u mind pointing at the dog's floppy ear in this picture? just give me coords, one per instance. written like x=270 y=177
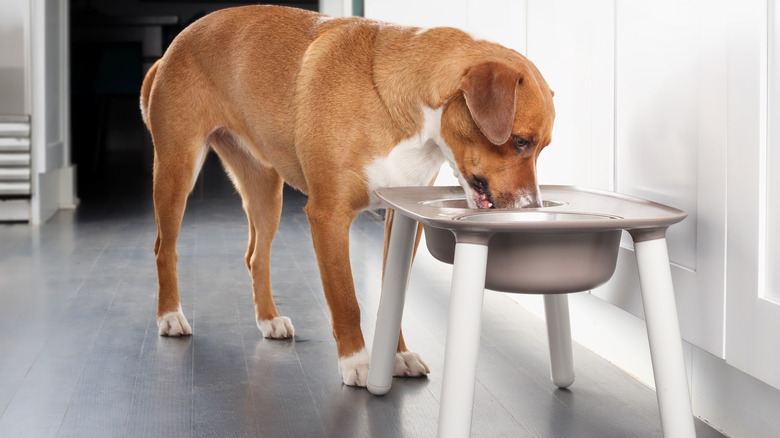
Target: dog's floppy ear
x=489 y=89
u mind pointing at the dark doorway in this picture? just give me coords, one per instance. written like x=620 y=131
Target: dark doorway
x=113 y=43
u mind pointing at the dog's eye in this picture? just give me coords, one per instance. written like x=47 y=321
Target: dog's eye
x=520 y=143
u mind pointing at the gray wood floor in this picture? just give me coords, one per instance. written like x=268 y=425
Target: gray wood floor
x=80 y=355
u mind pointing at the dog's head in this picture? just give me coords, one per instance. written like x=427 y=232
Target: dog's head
x=496 y=126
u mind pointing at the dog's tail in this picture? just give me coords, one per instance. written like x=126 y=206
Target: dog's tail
x=146 y=90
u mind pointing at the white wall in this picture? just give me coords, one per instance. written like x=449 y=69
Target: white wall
x=13 y=44
x=336 y=8
x=666 y=100
x=53 y=181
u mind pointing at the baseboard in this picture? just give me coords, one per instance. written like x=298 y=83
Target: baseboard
x=68 y=199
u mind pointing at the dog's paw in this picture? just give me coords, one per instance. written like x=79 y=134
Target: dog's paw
x=173 y=324
x=408 y=364
x=278 y=328
x=354 y=368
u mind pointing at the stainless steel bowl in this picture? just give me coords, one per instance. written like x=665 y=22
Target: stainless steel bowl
x=538 y=262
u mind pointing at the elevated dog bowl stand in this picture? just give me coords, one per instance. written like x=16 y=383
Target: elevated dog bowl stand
x=582 y=223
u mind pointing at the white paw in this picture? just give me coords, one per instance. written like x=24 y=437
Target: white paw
x=354 y=368
x=278 y=328
x=408 y=364
x=173 y=324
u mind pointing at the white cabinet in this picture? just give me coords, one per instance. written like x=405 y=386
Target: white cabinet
x=684 y=85
x=677 y=101
x=640 y=102
x=695 y=87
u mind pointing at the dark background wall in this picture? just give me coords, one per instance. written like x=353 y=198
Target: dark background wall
x=108 y=60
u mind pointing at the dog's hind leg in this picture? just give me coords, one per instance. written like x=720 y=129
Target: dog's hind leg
x=260 y=188
x=176 y=164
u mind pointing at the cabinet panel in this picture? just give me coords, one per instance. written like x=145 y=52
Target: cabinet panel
x=670 y=78
x=752 y=317
x=657 y=110
x=772 y=169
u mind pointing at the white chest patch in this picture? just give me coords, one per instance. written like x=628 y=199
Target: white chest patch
x=412 y=162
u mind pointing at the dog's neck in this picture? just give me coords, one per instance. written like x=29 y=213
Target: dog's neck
x=409 y=75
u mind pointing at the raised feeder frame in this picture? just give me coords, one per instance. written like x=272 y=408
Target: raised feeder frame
x=573 y=220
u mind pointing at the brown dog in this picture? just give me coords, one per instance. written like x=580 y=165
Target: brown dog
x=335 y=108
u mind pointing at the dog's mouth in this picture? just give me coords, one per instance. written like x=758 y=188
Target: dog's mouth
x=481 y=190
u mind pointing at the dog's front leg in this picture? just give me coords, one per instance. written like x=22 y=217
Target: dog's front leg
x=330 y=234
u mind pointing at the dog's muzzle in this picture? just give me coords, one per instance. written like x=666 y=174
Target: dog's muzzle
x=528 y=199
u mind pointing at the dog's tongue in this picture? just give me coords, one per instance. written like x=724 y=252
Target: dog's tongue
x=483 y=201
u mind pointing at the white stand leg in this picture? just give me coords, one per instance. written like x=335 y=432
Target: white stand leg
x=462 y=344
x=556 y=309
x=391 y=304
x=663 y=331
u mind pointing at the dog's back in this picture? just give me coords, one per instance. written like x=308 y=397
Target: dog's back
x=237 y=68
x=215 y=60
